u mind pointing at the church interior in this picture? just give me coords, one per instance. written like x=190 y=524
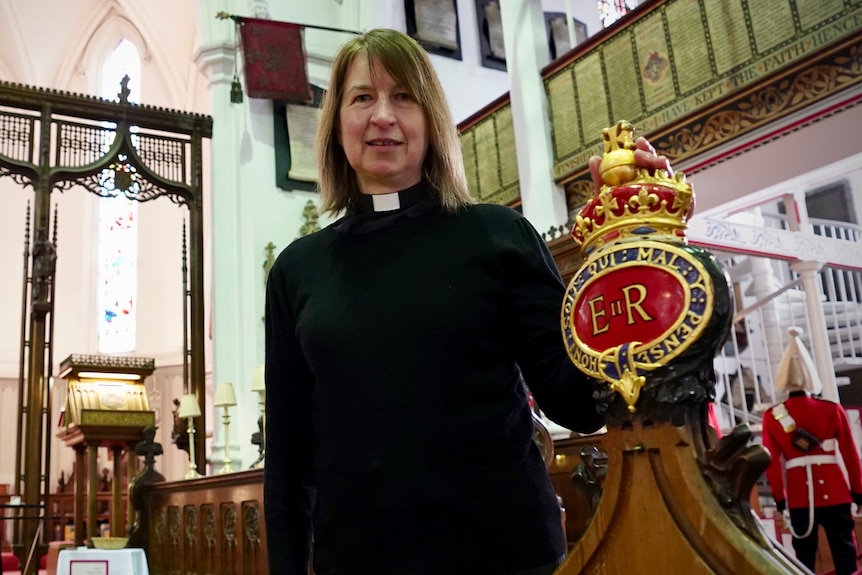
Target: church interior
x=759 y=104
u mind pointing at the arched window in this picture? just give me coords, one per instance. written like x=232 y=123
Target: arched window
x=117 y=262
x=612 y=10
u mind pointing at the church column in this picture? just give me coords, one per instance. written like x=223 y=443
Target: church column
x=80 y=490
x=118 y=525
x=819 y=338
x=764 y=285
x=544 y=203
x=232 y=319
x=92 y=529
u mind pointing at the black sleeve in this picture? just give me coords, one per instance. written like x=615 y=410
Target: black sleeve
x=287 y=480
x=563 y=392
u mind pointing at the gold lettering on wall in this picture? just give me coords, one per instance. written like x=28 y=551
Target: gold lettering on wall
x=688 y=55
x=654 y=61
x=688 y=45
x=592 y=102
x=487 y=162
x=468 y=151
x=564 y=110
x=730 y=44
x=506 y=145
x=620 y=68
x=812 y=12
x=771 y=24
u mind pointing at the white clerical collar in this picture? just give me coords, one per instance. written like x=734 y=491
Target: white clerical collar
x=386 y=202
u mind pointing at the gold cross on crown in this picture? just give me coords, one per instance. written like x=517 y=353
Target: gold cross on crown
x=619 y=137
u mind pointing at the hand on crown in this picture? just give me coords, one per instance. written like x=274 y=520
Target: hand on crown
x=645 y=157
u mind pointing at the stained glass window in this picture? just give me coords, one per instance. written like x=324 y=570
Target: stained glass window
x=118 y=229
x=612 y=10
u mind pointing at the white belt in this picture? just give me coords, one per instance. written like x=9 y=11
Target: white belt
x=807 y=461
x=811 y=460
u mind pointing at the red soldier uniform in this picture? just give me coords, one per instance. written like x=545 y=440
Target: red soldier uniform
x=806 y=437
x=821 y=474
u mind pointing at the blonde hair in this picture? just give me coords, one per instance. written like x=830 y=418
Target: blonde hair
x=410 y=67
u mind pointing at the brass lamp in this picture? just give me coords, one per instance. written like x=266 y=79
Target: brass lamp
x=225 y=398
x=258 y=385
x=190 y=409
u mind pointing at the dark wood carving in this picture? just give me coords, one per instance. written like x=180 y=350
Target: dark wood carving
x=208 y=526
x=139 y=531
x=570 y=457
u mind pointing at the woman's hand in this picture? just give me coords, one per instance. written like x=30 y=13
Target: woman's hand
x=645 y=157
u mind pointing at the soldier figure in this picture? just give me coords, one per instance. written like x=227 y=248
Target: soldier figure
x=810 y=440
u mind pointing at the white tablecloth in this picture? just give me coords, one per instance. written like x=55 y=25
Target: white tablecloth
x=120 y=561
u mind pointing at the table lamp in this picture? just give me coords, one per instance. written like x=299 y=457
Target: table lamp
x=258 y=385
x=225 y=398
x=190 y=409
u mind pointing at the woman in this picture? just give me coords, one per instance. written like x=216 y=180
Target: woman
x=399 y=438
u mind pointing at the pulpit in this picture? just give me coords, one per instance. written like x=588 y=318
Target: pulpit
x=106 y=406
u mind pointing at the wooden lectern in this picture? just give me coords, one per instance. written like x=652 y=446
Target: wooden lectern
x=643 y=317
x=106 y=406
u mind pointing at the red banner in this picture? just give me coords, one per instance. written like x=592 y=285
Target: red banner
x=274 y=60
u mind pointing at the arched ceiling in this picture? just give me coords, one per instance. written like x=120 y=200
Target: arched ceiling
x=50 y=44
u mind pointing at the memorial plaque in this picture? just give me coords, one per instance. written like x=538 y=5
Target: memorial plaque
x=302 y=124
x=771 y=24
x=469 y=154
x=654 y=61
x=620 y=68
x=487 y=161
x=730 y=42
x=564 y=113
x=688 y=45
x=506 y=147
x=437 y=23
x=592 y=101
x=813 y=12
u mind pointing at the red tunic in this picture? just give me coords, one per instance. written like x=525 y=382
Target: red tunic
x=825 y=420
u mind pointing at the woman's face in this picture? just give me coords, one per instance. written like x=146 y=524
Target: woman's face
x=382 y=129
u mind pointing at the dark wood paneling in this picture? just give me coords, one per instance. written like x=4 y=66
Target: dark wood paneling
x=208 y=526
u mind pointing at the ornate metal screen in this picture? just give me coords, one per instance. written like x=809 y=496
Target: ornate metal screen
x=51 y=140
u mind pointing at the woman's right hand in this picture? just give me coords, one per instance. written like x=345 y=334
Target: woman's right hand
x=645 y=157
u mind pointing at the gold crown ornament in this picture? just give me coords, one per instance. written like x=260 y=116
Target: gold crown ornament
x=634 y=201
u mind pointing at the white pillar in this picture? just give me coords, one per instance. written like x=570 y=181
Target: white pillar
x=764 y=285
x=819 y=338
x=233 y=316
x=544 y=203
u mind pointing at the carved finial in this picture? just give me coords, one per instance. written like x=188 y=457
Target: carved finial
x=309 y=212
x=148 y=447
x=270 y=259
x=124 y=90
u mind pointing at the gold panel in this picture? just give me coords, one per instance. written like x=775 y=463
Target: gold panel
x=692 y=55
x=490 y=158
x=104 y=384
x=139 y=419
x=561 y=97
x=687 y=36
x=619 y=56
